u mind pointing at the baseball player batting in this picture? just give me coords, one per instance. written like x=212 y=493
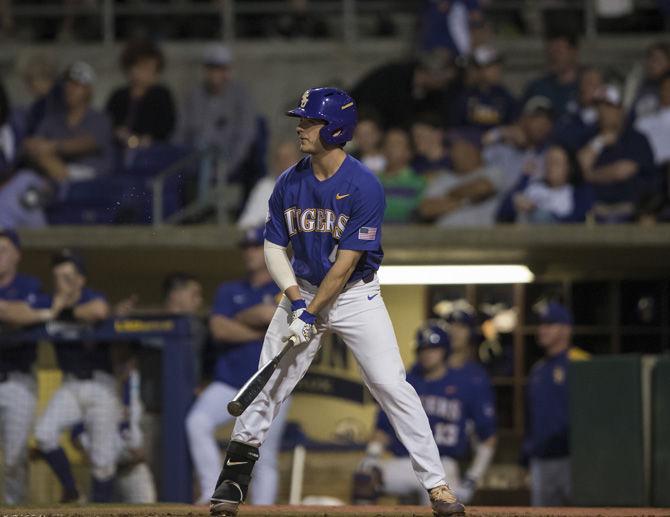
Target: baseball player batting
x=330 y=208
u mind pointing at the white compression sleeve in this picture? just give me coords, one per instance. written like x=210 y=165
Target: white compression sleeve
x=483 y=456
x=279 y=265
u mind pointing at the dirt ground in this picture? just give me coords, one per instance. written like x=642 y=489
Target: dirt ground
x=321 y=511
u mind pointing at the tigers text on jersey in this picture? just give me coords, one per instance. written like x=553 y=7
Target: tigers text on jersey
x=317 y=217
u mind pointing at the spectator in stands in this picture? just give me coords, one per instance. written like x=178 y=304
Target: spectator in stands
x=425 y=85
x=10 y=136
x=45 y=88
x=256 y=209
x=618 y=162
x=546 y=444
x=656 y=65
x=518 y=150
x=560 y=84
x=241 y=313
x=219 y=113
x=143 y=112
x=367 y=142
x=88 y=391
x=486 y=103
x=18 y=392
x=551 y=199
x=579 y=123
x=467 y=195
x=446 y=25
x=402 y=186
x=69 y=146
x=656 y=125
x=432 y=154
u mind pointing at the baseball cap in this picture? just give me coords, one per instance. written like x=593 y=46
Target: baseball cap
x=608 y=94
x=553 y=312
x=485 y=55
x=80 y=72
x=217 y=55
x=538 y=104
x=12 y=236
x=67 y=255
x=253 y=237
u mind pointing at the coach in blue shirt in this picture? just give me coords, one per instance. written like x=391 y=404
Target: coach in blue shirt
x=547 y=427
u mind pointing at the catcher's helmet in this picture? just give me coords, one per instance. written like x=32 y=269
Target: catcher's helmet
x=433 y=334
x=333 y=106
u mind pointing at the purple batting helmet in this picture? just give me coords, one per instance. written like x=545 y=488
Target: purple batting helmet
x=433 y=334
x=333 y=106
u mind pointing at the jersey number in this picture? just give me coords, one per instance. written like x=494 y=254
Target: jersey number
x=446 y=434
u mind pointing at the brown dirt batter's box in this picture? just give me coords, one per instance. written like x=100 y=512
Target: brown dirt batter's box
x=321 y=511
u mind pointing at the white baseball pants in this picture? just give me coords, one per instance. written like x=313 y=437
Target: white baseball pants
x=17 y=409
x=209 y=412
x=92 y=401
x=358 y=315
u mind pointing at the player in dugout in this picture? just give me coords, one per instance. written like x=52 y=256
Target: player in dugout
x=454 y=398
x=241 y=313
x=547 y=425
x=88 y=392
x=18 y=390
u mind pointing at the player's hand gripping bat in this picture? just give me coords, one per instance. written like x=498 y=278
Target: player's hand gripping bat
x=255 y=384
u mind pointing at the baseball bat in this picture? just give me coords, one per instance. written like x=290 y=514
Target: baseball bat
x=258 y=380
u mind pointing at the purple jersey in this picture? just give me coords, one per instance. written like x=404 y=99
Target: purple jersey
x=239 y=361
x=22 y=288
x=317 y=217
x=81 y=358
x=462 y=395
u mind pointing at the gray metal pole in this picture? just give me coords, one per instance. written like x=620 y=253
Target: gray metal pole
x=350 y=29
x=108 y=22
x=590 y=19
x=228 y=20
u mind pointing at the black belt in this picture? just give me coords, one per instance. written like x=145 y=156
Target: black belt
x=369 y=278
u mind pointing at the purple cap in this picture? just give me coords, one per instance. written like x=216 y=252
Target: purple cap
x=7 y=233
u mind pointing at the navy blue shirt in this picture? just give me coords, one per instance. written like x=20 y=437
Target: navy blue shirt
x=345 y=211
x=26 y=289
x=573 y=132
x=631 y=145
x=239 y=361
x=484 y=109
x=81 y=358
x=463 y=395
x=547 y=426
x=560 y=94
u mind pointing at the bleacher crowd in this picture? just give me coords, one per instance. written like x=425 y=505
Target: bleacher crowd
x=451 y=143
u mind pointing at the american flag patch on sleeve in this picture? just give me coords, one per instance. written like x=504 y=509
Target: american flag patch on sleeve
x=367 y=233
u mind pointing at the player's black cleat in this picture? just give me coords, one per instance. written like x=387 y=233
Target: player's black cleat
x=226 y=500
x=233 y=483
x=445 y=503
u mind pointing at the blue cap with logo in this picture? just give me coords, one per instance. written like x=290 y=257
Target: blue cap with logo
x=433 y=334
x=552 y=312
